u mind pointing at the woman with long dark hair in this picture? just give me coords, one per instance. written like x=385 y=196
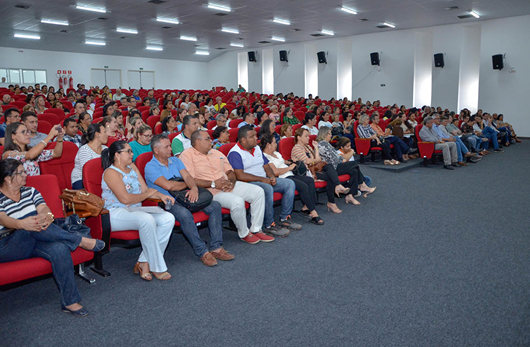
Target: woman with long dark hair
x=93 y=143
x=124 y=188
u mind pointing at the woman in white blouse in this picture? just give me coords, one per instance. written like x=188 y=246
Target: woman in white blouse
x=94 y=141
x=325 y=121
x=310 y=121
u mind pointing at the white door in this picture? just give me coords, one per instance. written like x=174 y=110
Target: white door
x=133 y=78
x=147 y=79
x=113 y=78
x=98 y=77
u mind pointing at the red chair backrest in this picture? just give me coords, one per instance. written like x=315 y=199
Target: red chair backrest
x=142 y=108
x=226 y=148
x=277 y=129
x=61 y=167
x=92 y=175
x=158 y=129
x=355 y=125
x=285 y=147
x=145 y=115
x=142 y=160
x=111 y=140
x=48 y=187
x=51 y=118
x=44 y=127
x=151 y=121
x=210 y=132
x=67 y=104
x=211 y=124
x=300 y=115
x=97 y=120
x=233 y=134
x=56 y=111
x=417 y=132
x=172 y=136
x=312 y=139
x=235 y=122
x=296 y=127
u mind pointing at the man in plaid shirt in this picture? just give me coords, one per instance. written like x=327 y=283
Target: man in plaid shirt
x=70 y=132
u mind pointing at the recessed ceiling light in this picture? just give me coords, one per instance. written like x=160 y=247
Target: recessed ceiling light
x=237 y=45
x=97 y=43
x=231 y=31
x=275 y=38
x=281 y=21
x=93 y=9
x=474 y=14
x=188 y=38
x=219 y=7
x=168 y=20
x=154 y=48
x=389 y=25
x=127 y=31
x=327 y=32
x=26 y=36
x=56 y=22
x=349 y=10
x=202 y=53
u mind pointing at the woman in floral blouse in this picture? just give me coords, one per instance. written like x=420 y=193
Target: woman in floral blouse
x=17 y=147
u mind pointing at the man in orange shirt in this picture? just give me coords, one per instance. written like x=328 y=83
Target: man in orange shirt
x=211 y=170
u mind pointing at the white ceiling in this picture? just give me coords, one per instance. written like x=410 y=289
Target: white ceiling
x=253 y=19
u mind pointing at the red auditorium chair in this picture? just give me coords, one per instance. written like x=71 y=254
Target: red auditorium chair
x=44 y=127
x=363 y=146
x=60 y=113
x=61 y=167
x=426 y=149
x=234 y=123
x=51 y=118
x=151 y=121
x=211 y=124
x=226 y=148
x=158 y=129
x=233 y=134
x=20 y=270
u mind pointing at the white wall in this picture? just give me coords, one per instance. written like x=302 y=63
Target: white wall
x=169 y=74
x=504 y=91
x=327 y=73
x=223 y=71
x=445 y=80
x=289 y=76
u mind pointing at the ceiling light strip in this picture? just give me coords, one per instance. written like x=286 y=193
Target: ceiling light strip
x=26 y=36
x=231 y=31
x=188 y=38
x=219 y=7
x=348 y=10
x=276 y=38
x=281 y=21
x=93 y=9
x=97 y=43
x=55 y=22
x=168 y=20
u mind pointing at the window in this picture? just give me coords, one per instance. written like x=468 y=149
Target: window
x=23 y=76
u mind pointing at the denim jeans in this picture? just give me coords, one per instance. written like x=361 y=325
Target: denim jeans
x=185 y=218
x=508 y=134
x=400 y=146
x=461 y=148
x=53 y=244
x=492 y=136
x=284 y=186
x=77 y=184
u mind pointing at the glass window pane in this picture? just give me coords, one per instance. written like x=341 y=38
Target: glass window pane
x=40 y=76
x=29 y=76
x=3 y=76
x=14 y=76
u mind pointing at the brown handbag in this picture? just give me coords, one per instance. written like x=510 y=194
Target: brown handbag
x=316 y=167
x=81 y=200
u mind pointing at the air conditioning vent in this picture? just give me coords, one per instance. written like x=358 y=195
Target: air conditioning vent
x=166 y=27
x=156 y=2
x=363 y=20
x=64 y=31
x=220 y=48
x=264 y=42
x=103 y=19
x=316 y=35
x=452 y=8
x=22 y=6
x=465 y=16
x=382 y=27
x=220 y=14
x=296 y=30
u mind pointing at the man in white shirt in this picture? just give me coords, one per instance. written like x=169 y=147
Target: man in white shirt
x=183 y=140
x=221 y=121
x=118 y=95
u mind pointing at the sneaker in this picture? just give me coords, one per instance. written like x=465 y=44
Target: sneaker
x=412 y=150
x=289 y=224
x=276 y=230
x=265 y=238
x=251 y=238
x=359 y=193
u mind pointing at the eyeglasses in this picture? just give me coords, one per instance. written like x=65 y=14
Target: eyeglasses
x=21 y=173
x=204 y=138
x=129 y=151
x=23 y=132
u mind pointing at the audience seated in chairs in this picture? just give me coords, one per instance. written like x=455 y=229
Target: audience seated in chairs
x=269 y=128
x=30 y=120
x=27 y=230
x=288 y=117
x=365 y=131
x=482 y=130
x=500 y=123
x=211 y=169
x=250 y=165
x=345 y=150
x=303 y=152
x=17 y=147
x=479 y=144
x=182 y=141
x=111 y=127
x=342 y=166
x=286 y=130
x=84 y=122
x=305 y=185
x=124 y=188
x=142 y=141
x=441 y=123
x=94 y=142
x=402 y=149
x=248 y=119
x=448 y=148
x=11 y=115
x=159 y=174
x=310 y=122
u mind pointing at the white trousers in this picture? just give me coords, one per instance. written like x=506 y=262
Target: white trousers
x=154 y=229
x=235 y=201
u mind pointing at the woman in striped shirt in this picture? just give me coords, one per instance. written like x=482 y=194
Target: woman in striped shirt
x=27 y=231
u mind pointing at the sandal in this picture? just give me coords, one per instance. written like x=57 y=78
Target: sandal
x=305 y=213
x=388 y=162
x=317 y=220
x=164 y=276
x=369 y=191
x=138 y=270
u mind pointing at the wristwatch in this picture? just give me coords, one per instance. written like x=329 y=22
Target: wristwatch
x=51 y=215
x=213 y=184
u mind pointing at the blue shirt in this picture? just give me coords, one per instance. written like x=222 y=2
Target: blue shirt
x=3 y=129
x=242 y=124
x=154 y=170
x=439 y=132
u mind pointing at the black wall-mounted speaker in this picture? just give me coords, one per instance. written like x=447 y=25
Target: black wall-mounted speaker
x=439 y=60
x=498 y=63
x=283 y=56
x=252 y=56
x=322 y=57
x=374 y=58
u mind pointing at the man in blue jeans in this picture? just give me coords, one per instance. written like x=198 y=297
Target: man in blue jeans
x=250 y=165
x=158 y=173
